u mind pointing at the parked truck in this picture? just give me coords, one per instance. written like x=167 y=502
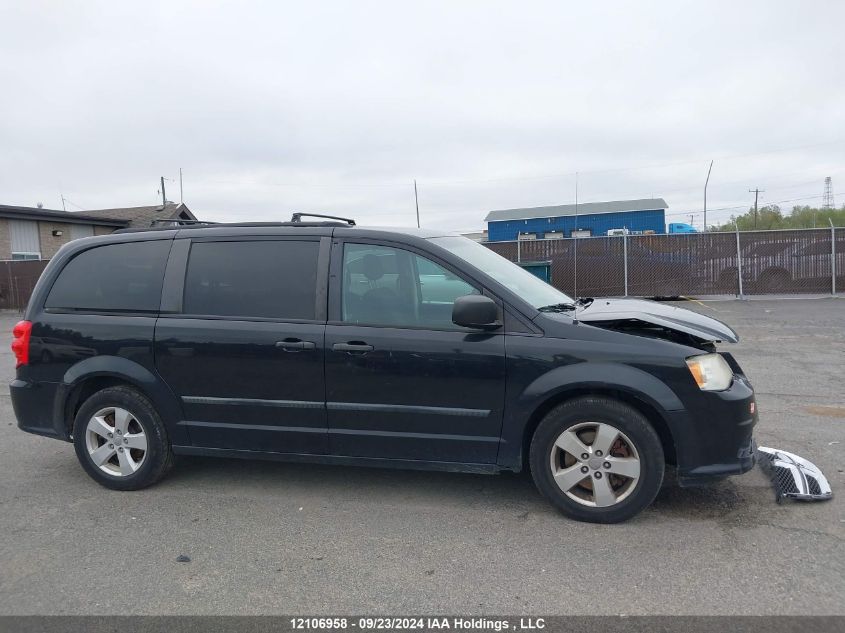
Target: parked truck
x=674 y=227
x=681 y=227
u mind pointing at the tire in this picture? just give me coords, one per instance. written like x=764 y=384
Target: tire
x=600 y=492
x=129 y=416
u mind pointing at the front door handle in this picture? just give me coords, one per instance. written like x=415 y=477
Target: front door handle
x=352 y=347
x=295 y=344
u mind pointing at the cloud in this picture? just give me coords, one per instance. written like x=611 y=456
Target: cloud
x=337 y=107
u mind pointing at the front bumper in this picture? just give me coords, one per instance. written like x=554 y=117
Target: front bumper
x=714 y=436
x=703 y=475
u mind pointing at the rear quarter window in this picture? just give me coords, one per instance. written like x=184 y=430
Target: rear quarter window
x=112 y=278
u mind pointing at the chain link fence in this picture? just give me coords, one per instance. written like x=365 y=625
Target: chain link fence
x=746 y=263
x=743 y=263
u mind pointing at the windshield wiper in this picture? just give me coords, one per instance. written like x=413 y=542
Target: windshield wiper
x=558 y=307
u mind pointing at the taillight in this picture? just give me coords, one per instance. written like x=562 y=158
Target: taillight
x=20 y=344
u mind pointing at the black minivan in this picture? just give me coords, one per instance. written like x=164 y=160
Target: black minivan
x=321 y=341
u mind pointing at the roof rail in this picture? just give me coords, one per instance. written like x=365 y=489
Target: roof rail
x=297 y=217
x=178 y=222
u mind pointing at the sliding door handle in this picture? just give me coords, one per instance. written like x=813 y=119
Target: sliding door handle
x=294 y=345
x=352 y=347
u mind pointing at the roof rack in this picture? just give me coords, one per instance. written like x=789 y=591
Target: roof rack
x=296 y=218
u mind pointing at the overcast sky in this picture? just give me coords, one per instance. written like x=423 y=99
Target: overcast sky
x=336 y=107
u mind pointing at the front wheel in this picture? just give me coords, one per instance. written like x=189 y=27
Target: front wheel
x=597 y=459
x=120 y=439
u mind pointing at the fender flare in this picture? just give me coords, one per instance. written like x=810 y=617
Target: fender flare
x=577 y=378
x=131 y=372
x=600 y=375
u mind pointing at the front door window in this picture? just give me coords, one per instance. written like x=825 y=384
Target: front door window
x=394 y=287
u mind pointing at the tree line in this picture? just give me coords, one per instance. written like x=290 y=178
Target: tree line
x=773 y=217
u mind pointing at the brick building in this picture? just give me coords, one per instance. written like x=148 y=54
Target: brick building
x=31 y=233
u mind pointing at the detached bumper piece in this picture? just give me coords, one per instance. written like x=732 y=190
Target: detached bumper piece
x=793 y=477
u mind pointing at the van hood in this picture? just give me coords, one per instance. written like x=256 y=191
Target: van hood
x=626 y=313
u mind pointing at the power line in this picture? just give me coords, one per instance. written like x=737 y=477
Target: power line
x=633 y=168
x=723 y=184
x=571 y=174
x=743 y=206
x=66 y=199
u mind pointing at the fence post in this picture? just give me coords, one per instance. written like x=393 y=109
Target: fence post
x=16 y=293
x=832 y=257
x=518 y=248
x=625 y=256
x=12 y=303
x=738 y=263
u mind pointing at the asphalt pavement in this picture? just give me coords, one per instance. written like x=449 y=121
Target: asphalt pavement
x=274 y=538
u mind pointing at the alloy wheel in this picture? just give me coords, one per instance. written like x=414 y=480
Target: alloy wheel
x=595 y=464
x=116 y=441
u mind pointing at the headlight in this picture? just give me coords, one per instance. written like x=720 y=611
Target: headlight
x=711 y=372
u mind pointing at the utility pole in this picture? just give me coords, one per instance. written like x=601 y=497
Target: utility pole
x=692 y=220
x=417 y=202
x=756 y=193
x=163 y=195
x=706 y=182
x=63 y=202
x=181 y=196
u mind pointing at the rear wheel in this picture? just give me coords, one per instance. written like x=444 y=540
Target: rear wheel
x=597 y=459
x=120 y=439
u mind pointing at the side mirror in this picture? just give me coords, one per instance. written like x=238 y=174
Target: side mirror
x=476 y=311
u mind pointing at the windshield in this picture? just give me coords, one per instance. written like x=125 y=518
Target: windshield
x=532 y=289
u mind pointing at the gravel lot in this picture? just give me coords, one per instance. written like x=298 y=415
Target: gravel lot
x=267 y=538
